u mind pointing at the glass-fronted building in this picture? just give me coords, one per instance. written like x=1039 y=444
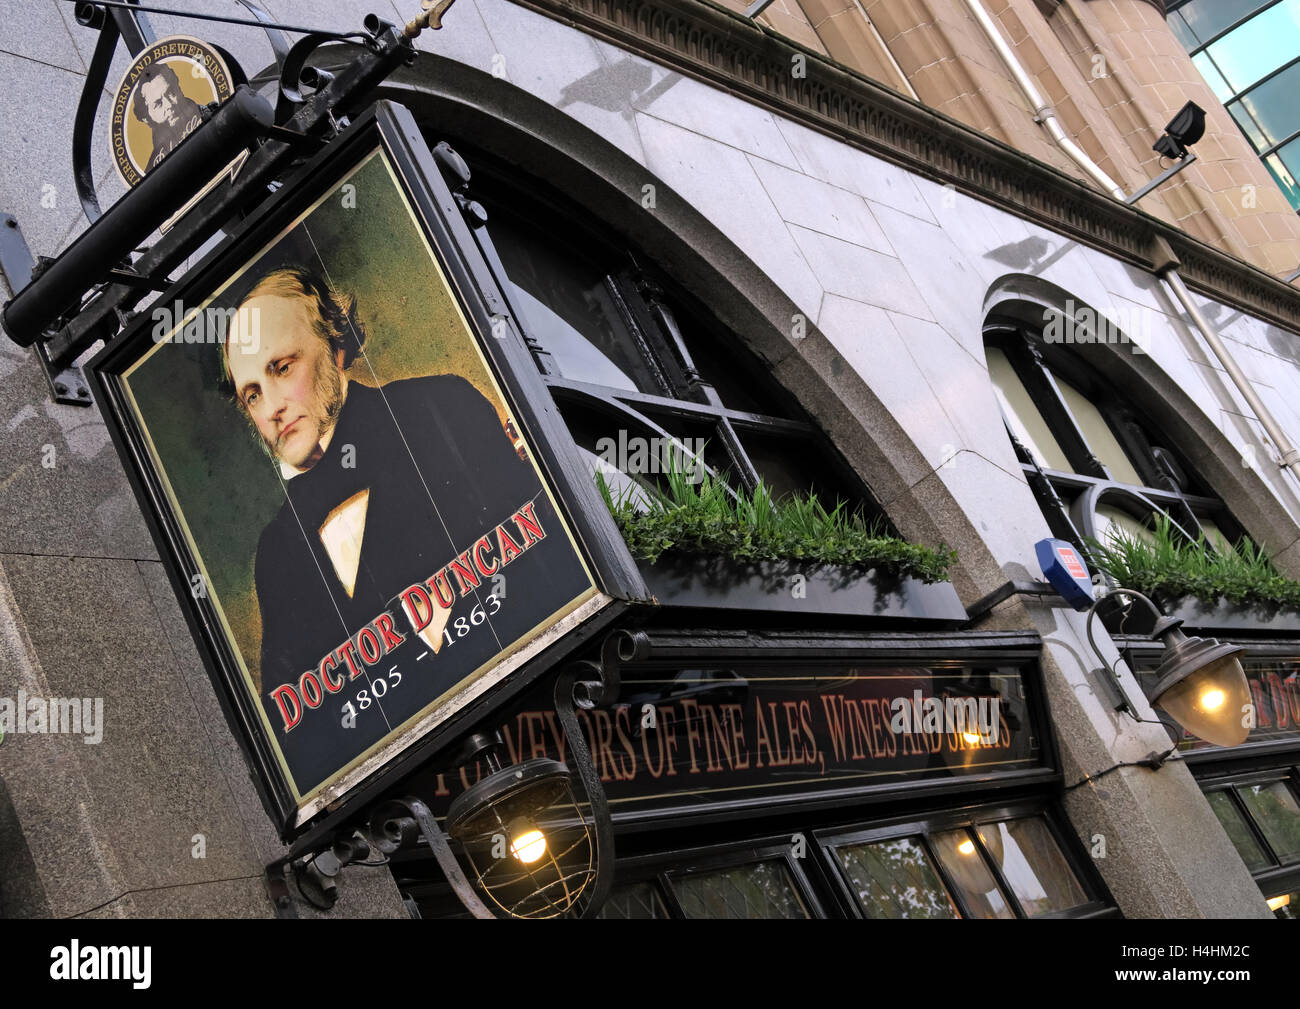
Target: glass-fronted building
x=1248 y=51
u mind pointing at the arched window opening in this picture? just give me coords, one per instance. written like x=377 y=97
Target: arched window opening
x=638 y=367
x=1098 y=466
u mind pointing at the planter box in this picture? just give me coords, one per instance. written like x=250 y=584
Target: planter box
x=797 y=587
x=1219 y=616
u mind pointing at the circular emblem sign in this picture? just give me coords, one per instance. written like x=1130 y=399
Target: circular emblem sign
x=158 y=103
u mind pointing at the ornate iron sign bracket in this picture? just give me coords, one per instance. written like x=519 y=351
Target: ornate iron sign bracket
x=87 y=294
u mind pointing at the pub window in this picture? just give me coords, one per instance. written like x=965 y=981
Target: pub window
x=1094 y=462
x=627 y=355
x=1261 y=815
x=1005 y=863
x=1254 y=787
x=1012 y=867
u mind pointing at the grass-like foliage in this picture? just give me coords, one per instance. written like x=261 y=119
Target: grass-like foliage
x=1171 y=566
x=700 y=516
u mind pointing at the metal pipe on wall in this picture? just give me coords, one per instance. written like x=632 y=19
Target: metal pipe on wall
x=1044 y=114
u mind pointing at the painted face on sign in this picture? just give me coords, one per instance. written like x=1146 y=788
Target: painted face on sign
x=161 y=100
x=285 y=377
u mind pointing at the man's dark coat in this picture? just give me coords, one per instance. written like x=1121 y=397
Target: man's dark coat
x=441 y=472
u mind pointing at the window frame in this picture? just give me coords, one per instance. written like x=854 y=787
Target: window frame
x=1278 y=877
x=647 y=296
x=970 y=817
x=1091 y=485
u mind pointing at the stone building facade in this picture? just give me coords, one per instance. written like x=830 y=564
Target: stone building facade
x=897 y=228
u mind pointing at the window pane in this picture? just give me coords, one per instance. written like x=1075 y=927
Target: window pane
x=636 y=900
x=1260 y=46
x=1238 y=833
x=1022 y=416
x=1285 y=179
x=797 y=465
x=1221 y=88
x=960 y=856
x=1033 y=864
x=1206 y=18
x=1245 y=119
x=894 y=879
x=567 y=308
x=762 y=890
x=1277 y=814
x=1098 y=435
x=1214 y=536
x=1108 y=517
x=729 y=373
x=1186 y=37
x=1273 y=107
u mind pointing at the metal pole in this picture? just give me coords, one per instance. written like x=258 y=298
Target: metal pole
x=1290 y=456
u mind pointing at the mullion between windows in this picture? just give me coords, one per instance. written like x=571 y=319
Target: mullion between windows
x=1244 y=811
x=1047 y=396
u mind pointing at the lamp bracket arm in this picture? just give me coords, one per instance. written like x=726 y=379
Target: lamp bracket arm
x=390 y=830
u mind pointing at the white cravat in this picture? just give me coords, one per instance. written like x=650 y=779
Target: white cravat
x=341 y=532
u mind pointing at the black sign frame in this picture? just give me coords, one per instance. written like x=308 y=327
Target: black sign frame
x=616 y=577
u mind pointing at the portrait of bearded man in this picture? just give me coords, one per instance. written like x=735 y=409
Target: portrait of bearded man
x=160 y=104
x=383 y=485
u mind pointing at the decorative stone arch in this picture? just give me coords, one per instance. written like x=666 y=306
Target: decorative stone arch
x=1139 y=379
x=505 y=119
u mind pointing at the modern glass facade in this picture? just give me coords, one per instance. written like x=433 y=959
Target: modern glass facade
x=1248 y=51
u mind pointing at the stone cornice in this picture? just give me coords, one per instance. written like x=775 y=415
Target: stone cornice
x=729 y=51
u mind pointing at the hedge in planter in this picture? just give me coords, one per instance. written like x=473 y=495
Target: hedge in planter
x=700 y=515
x=1171 y=567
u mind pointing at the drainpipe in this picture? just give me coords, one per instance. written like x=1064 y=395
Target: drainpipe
x=1168 y=272
x=1043 y=113
x=1290 y=456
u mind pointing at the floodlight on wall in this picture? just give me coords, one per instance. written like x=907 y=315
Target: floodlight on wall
x=1200 y=682
x=1185 y=129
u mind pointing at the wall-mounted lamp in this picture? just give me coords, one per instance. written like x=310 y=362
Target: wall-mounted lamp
x=532 y=850
x=1185 y=129
x=1200 y=683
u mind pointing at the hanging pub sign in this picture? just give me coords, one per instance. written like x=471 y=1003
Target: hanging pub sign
x=729 y=736
x=352 y=509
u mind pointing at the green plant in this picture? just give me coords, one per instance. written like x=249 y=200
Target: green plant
x=1170 y=565
x=695 y=513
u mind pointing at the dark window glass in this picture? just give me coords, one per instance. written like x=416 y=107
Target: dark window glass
x=960 y=857
x=636 y=900
x=789 y=465
x=1206 y=18
x=737 y=383
x=567 y=306
x=1272 y=109
x=1238 y=832
x=760 y=890
x=895 y=879
x=1032 y=863
x=1275 y=810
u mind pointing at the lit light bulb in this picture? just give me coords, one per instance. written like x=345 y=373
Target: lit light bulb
x=1274 y=903
x=971 y=737
x=1212 y=700
x=966 y=847
x=528 y=845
